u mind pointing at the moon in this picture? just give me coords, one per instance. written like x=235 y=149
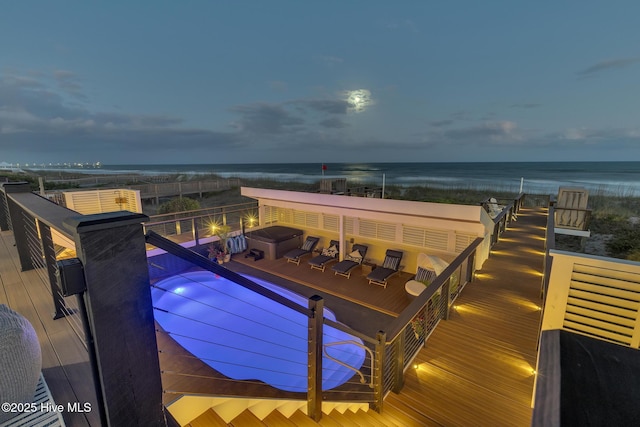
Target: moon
x=359 y=100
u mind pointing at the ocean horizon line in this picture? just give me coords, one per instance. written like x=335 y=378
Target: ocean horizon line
x=537 y=177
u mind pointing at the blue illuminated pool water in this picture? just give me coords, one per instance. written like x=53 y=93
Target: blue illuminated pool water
x=245 y=335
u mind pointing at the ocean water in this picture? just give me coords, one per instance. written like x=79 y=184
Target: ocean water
x=618 y=178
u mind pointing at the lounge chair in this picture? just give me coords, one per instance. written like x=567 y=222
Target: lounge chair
x=380 y=275
x=351 y=261
x=307 y=247
x=327 y=256
x=429 y=267
x=493 y=208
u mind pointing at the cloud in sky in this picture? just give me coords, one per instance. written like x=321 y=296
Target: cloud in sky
x=330 y=106
x=70 y=83
x=278 y=86
x=333 y=123
x=527 y=105
x=405 y=24
x=263 y=118
x=38 y=115
x=213 y=83
x=611 y=64
x=499 y=131
x=328 y=60
x=441 y=123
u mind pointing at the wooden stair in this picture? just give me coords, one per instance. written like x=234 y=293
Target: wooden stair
x=190 y=409
x=299 y=419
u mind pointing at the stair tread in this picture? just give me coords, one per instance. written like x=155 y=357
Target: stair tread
x=301 y=420
x=246 y=419
x=277 y=419
x=339 y=419
x=372 y=418
x=208 y=419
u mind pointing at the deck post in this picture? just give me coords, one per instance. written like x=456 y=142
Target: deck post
x=378 y=372
x=194 y=231
x=5 y=220
x=398 y=382
x=445 y=299
x=18 y=223
x=314 y=388
x=50 y=261
x=111 y=247
x=471 y=267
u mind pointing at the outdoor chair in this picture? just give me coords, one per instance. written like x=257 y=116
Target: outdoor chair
x=327 y=256
x=426 y=272
x=307 y=247
x=390 y=266
x=351 y=261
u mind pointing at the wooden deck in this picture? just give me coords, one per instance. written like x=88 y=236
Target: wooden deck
x=475 y=370
x=65 y=361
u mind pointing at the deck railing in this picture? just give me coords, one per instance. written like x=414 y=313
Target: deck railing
x=149 y=190
x=168 y=189
x=509 y=212
x=196 y=225
x=353 y=390
x=411 y=329
x=392 y=350
x=110 y=284
x=113 y=257
x=549 y=245
x=597 y=299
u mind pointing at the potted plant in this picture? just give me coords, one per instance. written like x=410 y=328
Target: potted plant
x=214 y=252
x=223 y=233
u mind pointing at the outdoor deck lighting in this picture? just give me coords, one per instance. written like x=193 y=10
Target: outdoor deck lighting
x=251 y=220
x=214 y=226
x=534 y=251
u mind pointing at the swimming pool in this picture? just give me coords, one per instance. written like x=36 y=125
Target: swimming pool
x=245 y=335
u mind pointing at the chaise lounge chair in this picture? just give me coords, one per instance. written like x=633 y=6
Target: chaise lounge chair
x=390 y=266
x=344 y=267
x=307 y=247
x=327 y=256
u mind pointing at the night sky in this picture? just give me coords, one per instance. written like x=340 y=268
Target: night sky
x=125 y=82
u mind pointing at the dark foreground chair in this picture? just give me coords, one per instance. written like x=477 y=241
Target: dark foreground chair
x=327 y=256
x=307 y=247
x=390 y=266
x=351 y=261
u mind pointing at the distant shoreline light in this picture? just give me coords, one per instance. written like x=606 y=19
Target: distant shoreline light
x=66 y=165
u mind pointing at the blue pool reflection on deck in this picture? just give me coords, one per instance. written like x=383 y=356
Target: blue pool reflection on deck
x=245 y=335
